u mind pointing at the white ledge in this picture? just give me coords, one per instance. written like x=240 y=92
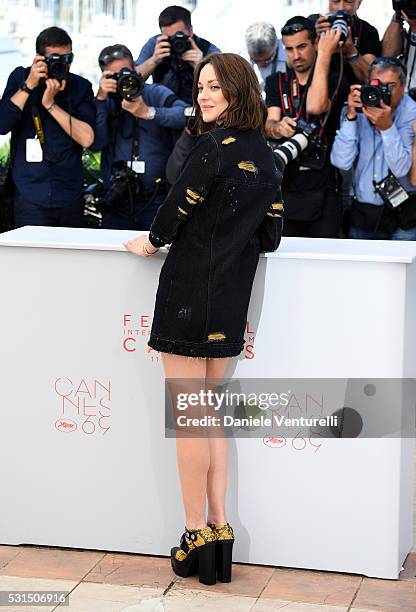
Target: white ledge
x=387 y=251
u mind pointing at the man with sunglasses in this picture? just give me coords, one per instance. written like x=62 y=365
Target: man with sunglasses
x=308 y=92
x=51 y=118
x=362 y=45
x=377 y=142
x=158 y=60
x=136 y=133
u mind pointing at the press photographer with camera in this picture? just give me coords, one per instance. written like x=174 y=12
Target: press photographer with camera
x=376 y=138
x=304 y=104
x=399 y=42
x=51 y=114
x=361 y=43
x=134 y=133
x=172 y=56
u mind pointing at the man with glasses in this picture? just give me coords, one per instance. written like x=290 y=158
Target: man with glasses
x=134 y=134
x=266 y=52
x=308 y=92
x=362 y=45
x=159 y=59
x=51 y=115
x=376 y=140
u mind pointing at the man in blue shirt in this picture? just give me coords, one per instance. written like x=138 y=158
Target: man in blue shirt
x=51 y=115
x=135 y=133
x=377 y=142
x=159 y=58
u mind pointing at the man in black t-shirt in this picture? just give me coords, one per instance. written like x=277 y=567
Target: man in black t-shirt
x=362 y=45
x=308 y=91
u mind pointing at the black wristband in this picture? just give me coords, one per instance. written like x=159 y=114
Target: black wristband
x=156 y=241
x=25 y=88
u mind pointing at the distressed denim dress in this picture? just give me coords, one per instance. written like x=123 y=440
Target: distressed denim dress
x=225 y=208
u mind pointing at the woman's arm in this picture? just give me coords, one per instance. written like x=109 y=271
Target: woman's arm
x=187 y=193
x=190 y=191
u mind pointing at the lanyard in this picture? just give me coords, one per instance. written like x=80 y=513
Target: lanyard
x=357 y=39
x=40 y=132
x=293 y=103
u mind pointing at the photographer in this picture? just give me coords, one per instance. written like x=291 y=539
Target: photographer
x=265 y=51
x=51 y=115
x=362 y=44
x=134 y=123
x=377 y=142
x=171 y=58
x=308 y=93
x=397 y=41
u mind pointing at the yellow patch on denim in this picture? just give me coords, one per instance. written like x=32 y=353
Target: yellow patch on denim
x=248 y=166
x=216 y=336
x=228 y=140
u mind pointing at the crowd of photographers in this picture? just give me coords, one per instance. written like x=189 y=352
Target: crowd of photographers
x=341 y=120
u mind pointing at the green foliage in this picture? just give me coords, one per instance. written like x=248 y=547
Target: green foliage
x=4 y=153
x=91 y=166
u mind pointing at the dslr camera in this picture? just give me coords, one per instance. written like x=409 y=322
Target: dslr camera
x=129 y=84
x=340 y=19
x=58 y=65
x=374 y=93
x=126 y=186
x=304 y=144
x=179 y=43
x=407 y=6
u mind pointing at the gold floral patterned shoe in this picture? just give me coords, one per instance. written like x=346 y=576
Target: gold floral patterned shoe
x=195 y=554
x=224 y=550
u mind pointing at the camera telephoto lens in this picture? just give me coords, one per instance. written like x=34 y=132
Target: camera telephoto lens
x=179 y=43
x=57 y=68
x=370 y=96
x=130 y=86
x=341 y=19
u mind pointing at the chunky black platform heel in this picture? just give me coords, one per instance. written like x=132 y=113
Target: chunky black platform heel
x=224 y=550
x=196 y=554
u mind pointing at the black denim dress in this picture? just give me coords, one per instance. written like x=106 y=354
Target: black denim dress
x=222 y=211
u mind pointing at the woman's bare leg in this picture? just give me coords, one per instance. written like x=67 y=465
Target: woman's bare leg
x=217 y=473
x=193 y=454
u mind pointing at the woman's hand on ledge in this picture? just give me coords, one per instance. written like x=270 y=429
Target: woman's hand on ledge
x=140 y=246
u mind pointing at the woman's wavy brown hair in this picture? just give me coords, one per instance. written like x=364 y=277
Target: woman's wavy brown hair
x=241 y=89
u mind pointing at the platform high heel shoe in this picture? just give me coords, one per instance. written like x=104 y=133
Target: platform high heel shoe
x=195 y=554
x=224 y=550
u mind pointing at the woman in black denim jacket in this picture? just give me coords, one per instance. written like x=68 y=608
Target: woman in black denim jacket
x=222 y=211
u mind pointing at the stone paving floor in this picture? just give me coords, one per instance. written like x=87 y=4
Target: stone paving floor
x=116 y=582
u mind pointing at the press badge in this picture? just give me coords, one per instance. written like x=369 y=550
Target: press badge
x=137 y=166
x=33 y=150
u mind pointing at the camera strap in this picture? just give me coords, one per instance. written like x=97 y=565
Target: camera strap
x=39 y=130
x=410 y=44
x=135 y=140
x=357 y=38
x=293 y=102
